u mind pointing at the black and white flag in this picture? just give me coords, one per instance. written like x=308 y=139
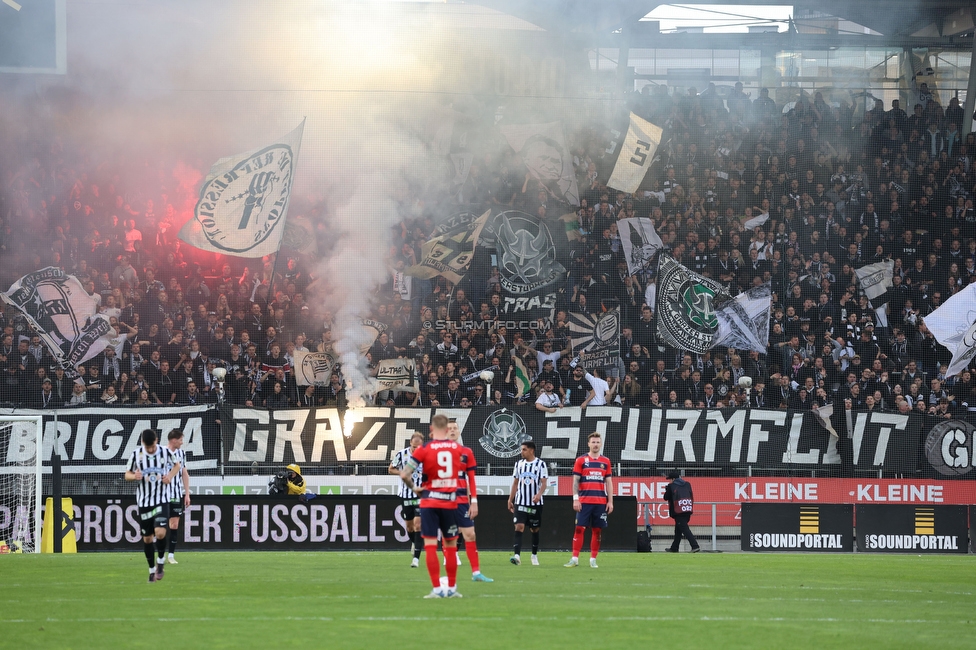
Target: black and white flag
x=954 y=326
x=244 y=200
x=685 y=308
x=743 y=322
x=450 y=249
x=875 y=281
x=62 y=313
x=398 y=374
x=596 y=338
x=640 y=242
x=636 y=155
x=314 y=368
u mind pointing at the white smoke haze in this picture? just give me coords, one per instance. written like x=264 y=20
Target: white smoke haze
x=169 y=88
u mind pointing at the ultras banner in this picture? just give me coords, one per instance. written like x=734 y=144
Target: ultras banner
x=774 y=439
x=100 y=440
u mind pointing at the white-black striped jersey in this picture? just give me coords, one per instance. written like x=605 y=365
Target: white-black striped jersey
x=178 y=456
x=533 y=476
x=151 y=490
x=399 y=462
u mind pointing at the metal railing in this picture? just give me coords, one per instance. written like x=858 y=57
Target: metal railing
x=722 y=523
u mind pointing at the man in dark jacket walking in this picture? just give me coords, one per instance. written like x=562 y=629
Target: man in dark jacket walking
x=681 y=502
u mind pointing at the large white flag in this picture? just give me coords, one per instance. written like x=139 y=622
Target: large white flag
x=636 y=155
x=314 y=368
x=63 y=314
x=397 y=374
x=954 y=326
x=640 y=242
x=875 y=279
x=244 y=200
x=743 y=323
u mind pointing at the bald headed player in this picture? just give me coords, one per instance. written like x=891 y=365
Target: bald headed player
x=467 y=508
x=441 y=459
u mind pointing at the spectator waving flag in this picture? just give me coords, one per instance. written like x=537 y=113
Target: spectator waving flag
x=954 y=326
x=522 y=383
x=686 y=306
x=875 y=281
x=244 y=201
x=314 y=368
x=62 y=313
x=636 y=155
x=451 y=248
x=397 y=374
x=743 y=322
x=640 y=242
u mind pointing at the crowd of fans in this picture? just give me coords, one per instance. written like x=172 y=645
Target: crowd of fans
x=839 y=191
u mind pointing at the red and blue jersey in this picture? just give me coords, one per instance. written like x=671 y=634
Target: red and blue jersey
x=441 y=460
x=468 y=465
x=592 y=473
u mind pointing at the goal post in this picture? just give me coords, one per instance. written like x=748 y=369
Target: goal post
x=22 y=448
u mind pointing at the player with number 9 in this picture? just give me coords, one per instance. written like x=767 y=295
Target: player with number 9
x=440 y=459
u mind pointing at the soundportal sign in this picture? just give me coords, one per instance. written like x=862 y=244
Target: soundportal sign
x=797 y=527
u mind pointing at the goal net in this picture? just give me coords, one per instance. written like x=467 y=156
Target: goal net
x=20 y=483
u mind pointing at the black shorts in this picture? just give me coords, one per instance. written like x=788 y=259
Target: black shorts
x=531 y=515
x=176 y=508
x=443 y=520
x=463 y=520
x=153 y=517
x=411 y=509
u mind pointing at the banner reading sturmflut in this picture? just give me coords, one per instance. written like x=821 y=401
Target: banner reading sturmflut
x=636 y=155
x=244 y=201
x=686 y=306
x=62 y=313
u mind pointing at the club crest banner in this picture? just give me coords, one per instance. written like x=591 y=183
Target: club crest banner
x=596 y=338
x=314 y=368
x=686 y=306
x=244 y=200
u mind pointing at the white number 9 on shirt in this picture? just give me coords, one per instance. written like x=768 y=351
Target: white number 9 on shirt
x=445 y=464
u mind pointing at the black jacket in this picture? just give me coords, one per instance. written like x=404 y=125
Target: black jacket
x=681 y=500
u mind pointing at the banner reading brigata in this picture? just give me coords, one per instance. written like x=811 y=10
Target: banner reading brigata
x=100 y=440
x=646 y=438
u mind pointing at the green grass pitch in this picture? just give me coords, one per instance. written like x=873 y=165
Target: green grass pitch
x=374 y=600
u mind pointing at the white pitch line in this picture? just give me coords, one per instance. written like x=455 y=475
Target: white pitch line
x=13 y=5
x=705 y=619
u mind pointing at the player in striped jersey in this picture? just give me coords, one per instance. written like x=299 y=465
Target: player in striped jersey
x=467 y=508
x=411 y=507
x=529 y=482
x=150 y=465
x=181 y=490
x=592 y=498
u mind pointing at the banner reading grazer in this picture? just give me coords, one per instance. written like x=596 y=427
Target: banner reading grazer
x=100 y=440
x=649 y=438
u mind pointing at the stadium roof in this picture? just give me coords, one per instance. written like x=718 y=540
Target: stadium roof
x=923 y=18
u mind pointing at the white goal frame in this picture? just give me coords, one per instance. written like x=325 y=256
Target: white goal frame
x=38 y=469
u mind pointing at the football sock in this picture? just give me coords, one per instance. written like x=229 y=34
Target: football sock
x=450 y=554
x=161 y=548
x=434 y=565
x=518 y=543
x=172 y=540
x=149 y=554
x=418 y=544
x=471 y=550
x=597 y=533
x=578 y=540
x=535 y=543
